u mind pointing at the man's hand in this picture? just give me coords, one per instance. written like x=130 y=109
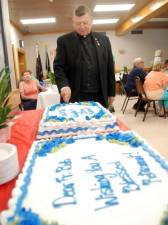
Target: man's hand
x=111 y=100
x=66 y=94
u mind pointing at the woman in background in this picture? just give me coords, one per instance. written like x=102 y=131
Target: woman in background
x=166 y=66
x=29 y=89
x=156 y=86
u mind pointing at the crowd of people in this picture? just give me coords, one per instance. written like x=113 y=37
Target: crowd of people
x=155 y=84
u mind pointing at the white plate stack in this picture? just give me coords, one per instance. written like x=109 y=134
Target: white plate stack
x=9 y=166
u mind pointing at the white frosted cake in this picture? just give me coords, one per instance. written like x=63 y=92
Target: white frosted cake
x=69 y=119
x=107 y=179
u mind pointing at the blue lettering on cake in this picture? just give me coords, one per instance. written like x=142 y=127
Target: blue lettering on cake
x=65 y=165
x=90 y=157
x=129 y=184
x=105 y=190
x=64 y=178
x=144 y=170
x=94 y=166
x=106 y=193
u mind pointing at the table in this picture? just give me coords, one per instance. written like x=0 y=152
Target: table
x=48 y=98
x=23 y=134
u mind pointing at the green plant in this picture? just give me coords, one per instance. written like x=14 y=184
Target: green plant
x=52 y=77
x=125 y=69
x=5 y=88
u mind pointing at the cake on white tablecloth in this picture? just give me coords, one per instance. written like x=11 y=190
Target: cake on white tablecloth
x=115 y=178
x=69 y=119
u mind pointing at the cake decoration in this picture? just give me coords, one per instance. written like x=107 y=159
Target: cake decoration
x=62 y=120
x=91 y=179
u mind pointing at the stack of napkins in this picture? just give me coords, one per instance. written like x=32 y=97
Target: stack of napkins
x=9 y=166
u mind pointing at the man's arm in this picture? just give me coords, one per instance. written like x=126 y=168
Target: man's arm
x=111 y=76
x=60 y=65
x=60 y=68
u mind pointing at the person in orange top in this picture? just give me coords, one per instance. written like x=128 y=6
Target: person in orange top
x=156 y=86
x=29 y=89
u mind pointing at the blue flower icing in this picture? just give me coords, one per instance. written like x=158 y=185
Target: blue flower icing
x=27 y=217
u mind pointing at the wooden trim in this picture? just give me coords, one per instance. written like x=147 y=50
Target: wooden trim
x=146 y=13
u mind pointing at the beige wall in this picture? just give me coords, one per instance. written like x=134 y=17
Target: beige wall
x=125 y=48
x=5 y=15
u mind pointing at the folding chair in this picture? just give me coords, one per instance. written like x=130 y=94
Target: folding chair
x=127 y=97
x=143 y=97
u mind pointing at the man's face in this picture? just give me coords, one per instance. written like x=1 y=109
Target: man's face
x=82 y=24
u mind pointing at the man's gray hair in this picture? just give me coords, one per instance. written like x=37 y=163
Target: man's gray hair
x=137 y=60
x=81 y=10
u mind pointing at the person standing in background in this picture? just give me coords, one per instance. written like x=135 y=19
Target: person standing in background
x=84 y=64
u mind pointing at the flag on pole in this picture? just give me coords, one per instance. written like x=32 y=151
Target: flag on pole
x=39 y=69
x=47 y=62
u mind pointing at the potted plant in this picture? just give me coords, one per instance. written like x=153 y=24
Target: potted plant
x=52 y=78
x=5 y=110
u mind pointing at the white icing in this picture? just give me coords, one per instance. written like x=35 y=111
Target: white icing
x=141 y=207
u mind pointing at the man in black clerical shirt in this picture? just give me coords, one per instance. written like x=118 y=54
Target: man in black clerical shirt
x=84 y=65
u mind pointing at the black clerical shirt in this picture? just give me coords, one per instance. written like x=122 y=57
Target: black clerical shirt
x=89 y=75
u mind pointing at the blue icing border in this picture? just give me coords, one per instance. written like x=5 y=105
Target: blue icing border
x=73 y=130
x=43 y=148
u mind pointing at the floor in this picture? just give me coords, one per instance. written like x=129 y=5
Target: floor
x=154 y=129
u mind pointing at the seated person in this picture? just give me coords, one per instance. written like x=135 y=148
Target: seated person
x=29 y=89
x=166 y=66
x=130 y=87
x=156 y=86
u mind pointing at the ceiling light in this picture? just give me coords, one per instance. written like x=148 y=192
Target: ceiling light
x=136 y=19
x=37 y=21
x=157 y=5
x=114 y=7
x=105 y=21
x=158 y=20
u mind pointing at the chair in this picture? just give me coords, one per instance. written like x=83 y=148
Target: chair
x=14 y=100
x=127 y=97
x=143 y=97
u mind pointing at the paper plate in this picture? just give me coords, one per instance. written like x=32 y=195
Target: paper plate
x=9 y=166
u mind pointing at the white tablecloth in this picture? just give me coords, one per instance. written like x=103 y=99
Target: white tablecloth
x=48 y=98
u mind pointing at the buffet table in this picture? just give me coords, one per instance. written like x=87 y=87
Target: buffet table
x=22 y=135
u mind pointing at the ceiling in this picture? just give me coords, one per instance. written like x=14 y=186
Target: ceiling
x=62 y=10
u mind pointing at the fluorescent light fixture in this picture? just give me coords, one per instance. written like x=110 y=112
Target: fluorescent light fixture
x=158 y=20
x=113 y=7
x=136 y=19
x=105 y=21
x=37 y=21
x=157 y=5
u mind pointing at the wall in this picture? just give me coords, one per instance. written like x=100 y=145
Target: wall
x=128 y=47
x=6 y=26
x=1 y=52
x=125 y=48
x=44 y=41
x=15 y=36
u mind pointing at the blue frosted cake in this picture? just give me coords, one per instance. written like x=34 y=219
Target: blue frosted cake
x=114 y=178
x=71 y=119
